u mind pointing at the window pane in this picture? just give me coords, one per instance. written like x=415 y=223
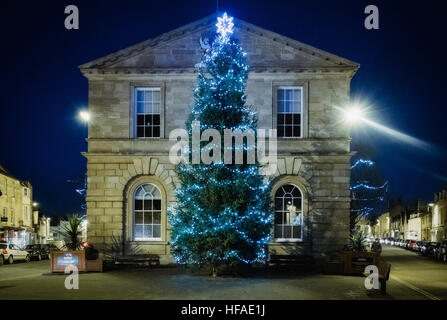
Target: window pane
x=141 y=107
x=281 y=94
x=140 y=120
x=156 y=119
x=280 y=131
x=287 y=232
x=147 y=204
x=148 y=218
x=278 y=232
x=138 y=204
x=278 y=204
x=140 y=131
x=297 y=119
x=288 y=132
x=157 y=217
x=157 y=231
x=278 y=218
x=140 y=95
x=138 y=217
x=296 y=232
x=148 y=132
x=147 y=231
x=156 y=131
x=297 y=131
x=157 y=204
x=281 y=106
x=280 y=119
x=148 y=120
x=138 y=232
x=154 y=108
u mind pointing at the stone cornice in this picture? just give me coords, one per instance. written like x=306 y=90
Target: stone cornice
x=336 y=70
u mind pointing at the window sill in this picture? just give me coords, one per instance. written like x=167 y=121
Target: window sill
x=149 y=241
x=287 y=240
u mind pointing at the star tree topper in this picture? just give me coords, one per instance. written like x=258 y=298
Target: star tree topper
x=225 y=25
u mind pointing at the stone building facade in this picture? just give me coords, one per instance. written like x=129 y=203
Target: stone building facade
x=439 y=219
x=129 y=168
x=15 y=209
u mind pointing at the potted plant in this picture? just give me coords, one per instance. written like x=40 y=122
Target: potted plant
x=73 y=255
x=357 y=257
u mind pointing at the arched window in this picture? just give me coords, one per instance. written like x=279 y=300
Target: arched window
x=147 y=213
x=288 y=213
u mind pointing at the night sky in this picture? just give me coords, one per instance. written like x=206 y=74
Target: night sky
x=401 y=77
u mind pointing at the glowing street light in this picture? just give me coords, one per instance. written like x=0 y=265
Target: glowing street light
x=353 y=114
x=84 y=116
x=35 y=204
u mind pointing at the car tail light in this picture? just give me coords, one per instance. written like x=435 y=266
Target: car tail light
x=4 y=251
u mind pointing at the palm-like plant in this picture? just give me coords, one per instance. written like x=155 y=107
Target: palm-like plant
x=358 y=241
x=72 y=232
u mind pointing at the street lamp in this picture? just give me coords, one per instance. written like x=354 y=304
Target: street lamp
x=353 y=114
x=84 y=116
x=35 y=204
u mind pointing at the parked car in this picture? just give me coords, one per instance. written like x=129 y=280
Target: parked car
x=436 y=249
x=411 y=244
x=40 y=251
x=417 y=246
x=431 y=249
x=11 y=252
x=423 y=248
x=442 y=252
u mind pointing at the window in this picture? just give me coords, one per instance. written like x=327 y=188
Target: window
x=25 y=192
x=147 y=213
x=288 y=213
x=147 y=107
x=290 y=106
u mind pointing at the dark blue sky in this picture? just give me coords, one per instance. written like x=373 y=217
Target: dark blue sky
x=402 y=68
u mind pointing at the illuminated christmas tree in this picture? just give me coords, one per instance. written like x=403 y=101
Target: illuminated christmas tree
x=223 y=213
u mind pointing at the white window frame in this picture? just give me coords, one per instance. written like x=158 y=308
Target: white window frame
x=300 y=239
x=301 y=113
x=135 y=109
x=142 y=239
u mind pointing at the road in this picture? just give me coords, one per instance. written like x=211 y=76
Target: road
x=419 y=273
x=412 y=278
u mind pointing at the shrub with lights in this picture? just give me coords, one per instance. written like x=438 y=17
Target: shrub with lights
x=223 y=213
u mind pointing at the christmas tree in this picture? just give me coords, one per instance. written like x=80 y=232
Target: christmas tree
x=368 y=188
x=223 y=215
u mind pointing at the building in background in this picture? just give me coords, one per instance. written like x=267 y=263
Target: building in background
x=41 y=226
x=438 y=232
x=383 y=227
x=15 y=209
x=398 y=218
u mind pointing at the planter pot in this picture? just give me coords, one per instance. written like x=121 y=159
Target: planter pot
x=356 y=262
x=94 y=265
x=60 y=260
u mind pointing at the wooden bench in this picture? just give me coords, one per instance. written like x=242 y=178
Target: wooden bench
x=146 y=260
x=384 y=269
x=384 y=275
x=290 y=260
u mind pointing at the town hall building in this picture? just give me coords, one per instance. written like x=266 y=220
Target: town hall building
x=138 y=95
